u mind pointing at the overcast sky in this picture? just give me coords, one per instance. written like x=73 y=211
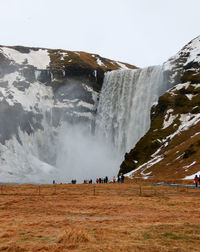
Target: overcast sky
x=140 y=32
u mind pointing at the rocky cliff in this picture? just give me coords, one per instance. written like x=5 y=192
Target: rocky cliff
x=171 y=147
x=40 y=90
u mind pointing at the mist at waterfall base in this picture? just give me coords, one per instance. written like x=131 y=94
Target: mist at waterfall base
x=84 y=156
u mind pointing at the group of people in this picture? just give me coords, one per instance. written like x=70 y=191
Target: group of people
x=196 y=180
x=120 y=179
x=85 y=181
x=102 y=180
x=105 y=180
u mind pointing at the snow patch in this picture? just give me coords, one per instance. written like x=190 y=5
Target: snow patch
x=122 y=66
x=39 y=59
x=194 y=49
x=63 y=55
x=197 y=133
x=187 y=121
x=99 y=62
x=178 y=157
x=180 y=86
x=169 y=119
x=146 y=165
x=35 y=94
x=187 y=166
x=190 y=96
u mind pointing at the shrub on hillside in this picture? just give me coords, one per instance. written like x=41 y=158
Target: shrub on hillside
x=190 y=151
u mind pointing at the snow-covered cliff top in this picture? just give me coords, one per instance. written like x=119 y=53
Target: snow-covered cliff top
x=189 y=53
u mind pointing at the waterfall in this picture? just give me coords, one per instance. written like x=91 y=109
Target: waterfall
x=123 y=113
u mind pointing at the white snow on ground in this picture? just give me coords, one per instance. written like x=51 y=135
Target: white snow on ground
x=169 y=118
x=14 y=76
x=147 y=165
x=146 y=175
x=155 y=153
x=187 y=121
x=193 y=175
x=190 y=96
x=178 y=157
x=187 y=166
x=197 y=133
x=195 y=85
x=40 y=58
x=179 y=86
x=194 y=49
x=169 y=65
x=122 y=65
x=63 y=55
x=35 y=94
x=100 y=63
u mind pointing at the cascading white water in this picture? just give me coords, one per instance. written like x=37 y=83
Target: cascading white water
x=123 y=114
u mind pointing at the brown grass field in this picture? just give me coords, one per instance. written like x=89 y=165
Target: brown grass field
x=103 y=218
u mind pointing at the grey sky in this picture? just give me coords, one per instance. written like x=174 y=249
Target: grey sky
x=140 y=32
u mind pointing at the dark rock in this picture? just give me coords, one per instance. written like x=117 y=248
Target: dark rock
x=21 y=85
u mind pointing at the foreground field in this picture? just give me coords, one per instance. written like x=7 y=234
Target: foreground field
x=105 y=217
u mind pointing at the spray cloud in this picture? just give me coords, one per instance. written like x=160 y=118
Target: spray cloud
x=82 y=155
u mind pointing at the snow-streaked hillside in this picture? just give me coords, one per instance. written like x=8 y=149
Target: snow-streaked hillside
x=171 y=148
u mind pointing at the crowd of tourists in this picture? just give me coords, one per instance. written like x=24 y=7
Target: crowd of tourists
x=101 y=180
x=119 y=179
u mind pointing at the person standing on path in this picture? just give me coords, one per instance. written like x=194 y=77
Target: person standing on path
x=196 y=180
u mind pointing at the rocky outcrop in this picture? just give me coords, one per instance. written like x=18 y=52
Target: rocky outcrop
x=170 y=149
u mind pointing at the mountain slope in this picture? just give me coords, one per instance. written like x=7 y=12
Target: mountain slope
x=41 y=90
x=171 y=147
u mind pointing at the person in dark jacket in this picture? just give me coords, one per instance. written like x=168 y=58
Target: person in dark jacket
x=118 y=179
x=106 y=179
x=122 y=178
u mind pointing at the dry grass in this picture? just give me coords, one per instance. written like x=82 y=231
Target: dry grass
x=117 y=218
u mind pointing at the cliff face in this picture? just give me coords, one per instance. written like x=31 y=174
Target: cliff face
x=171 y=147
x=40 y=90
